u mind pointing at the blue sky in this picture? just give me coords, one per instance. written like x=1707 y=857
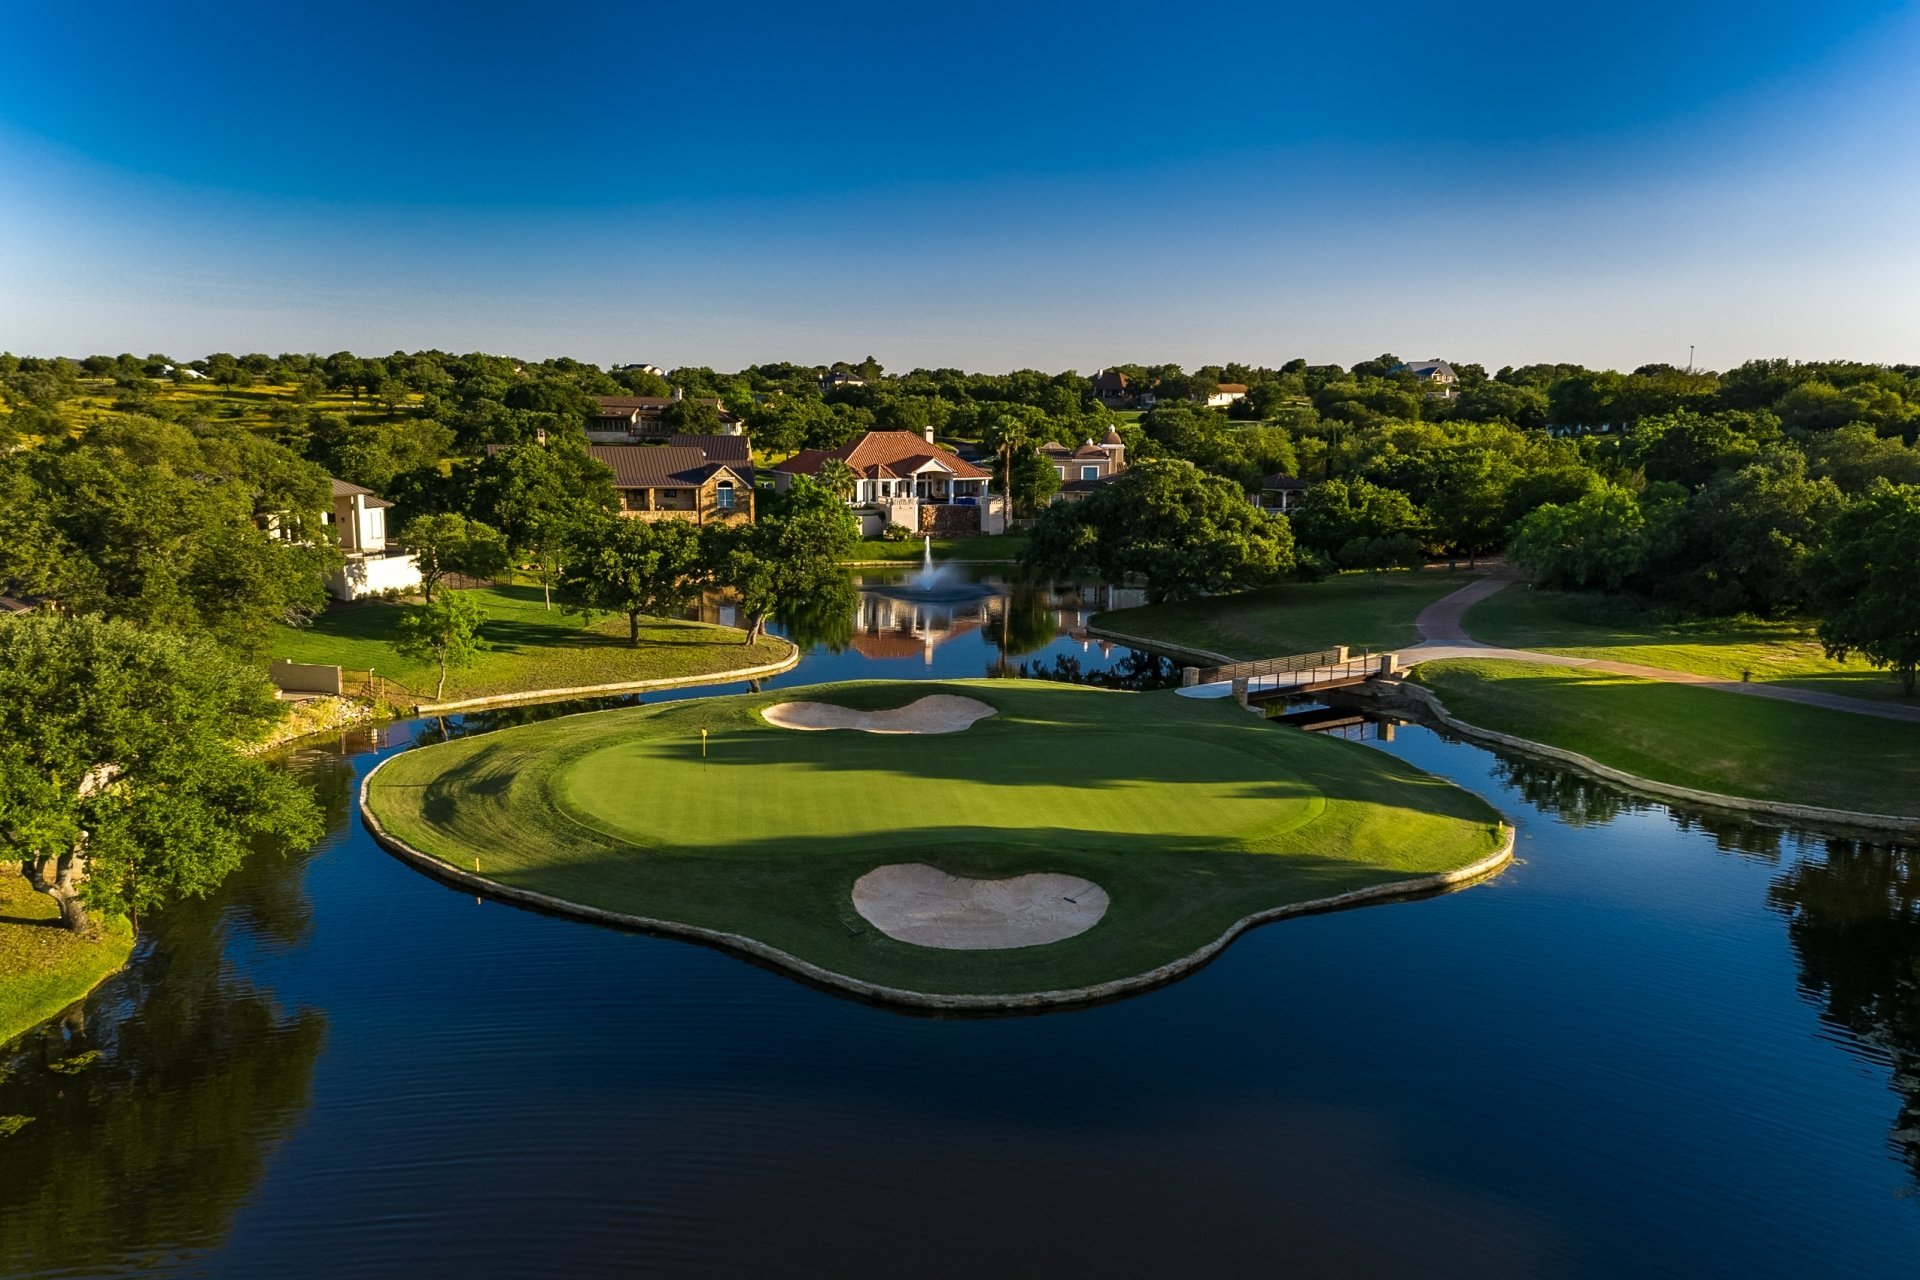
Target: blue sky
x=989 y=186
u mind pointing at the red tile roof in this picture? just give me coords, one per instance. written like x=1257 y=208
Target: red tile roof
x=900 y=453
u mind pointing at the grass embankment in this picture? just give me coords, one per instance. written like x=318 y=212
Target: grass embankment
x=531 y=648
x=1692 y=737
x=1190 y=814
x=1361 y=610
x=1615 y=630
x=998 y=548
x=43 y=967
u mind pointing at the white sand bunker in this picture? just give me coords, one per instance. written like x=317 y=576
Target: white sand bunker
x=939 y=713
x=913 y=902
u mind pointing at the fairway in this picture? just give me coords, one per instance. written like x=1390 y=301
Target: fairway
x=1189 y=815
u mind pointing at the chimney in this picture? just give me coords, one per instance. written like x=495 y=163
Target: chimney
x=679 y=393
x=929 y=433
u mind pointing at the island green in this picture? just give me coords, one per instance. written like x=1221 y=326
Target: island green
x=1190 y=814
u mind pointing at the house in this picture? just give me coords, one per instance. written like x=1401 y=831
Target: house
x=1437 y=375
x=1224 y=394
x=1281 y=493
x=1110 y=389
x=624 y=419
x=369 y=565
x=838 y=378
x=902 y=478
x=653 y=369
x=1088 y=467
x=704 y=479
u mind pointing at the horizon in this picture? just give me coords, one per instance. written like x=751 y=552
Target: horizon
x=1486 y=183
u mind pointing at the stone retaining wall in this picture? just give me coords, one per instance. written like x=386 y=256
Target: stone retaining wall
x=787 y=663
x=1425 y=700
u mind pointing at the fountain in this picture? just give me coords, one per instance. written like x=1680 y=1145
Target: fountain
x=934 y=582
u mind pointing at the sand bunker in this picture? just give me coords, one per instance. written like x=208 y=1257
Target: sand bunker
x=939 y=713
x=913 y=902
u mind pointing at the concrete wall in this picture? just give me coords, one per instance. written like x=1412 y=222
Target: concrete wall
x=304 y=677
x=360 y=577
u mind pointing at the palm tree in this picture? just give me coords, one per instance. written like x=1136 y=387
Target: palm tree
x=838 y=479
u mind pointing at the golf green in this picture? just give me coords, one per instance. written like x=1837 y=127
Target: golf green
x=1191 y=815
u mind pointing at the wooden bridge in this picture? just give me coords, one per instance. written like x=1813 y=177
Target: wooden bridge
x=1268 y=678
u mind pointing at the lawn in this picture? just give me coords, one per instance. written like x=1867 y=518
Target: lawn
x=1360 y=610
x=1617 y=630
x=1005 y=547
x=43 y=967
x=1191 y=814
x=532 y=648
x=1692 y=737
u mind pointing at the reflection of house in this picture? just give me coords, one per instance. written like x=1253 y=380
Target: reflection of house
x=1110 y=389
x=1437 y=375
x=1225 y=394
x=705 y=479
x=885 y=627
x=902 y=478
x=624 y=418
x=1280 y=493
x=1086 y=468
x=369 y=566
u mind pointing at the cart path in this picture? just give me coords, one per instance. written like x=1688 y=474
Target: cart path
x=1443 y=634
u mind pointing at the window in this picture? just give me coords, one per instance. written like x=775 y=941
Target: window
x=1089 y=473
x=723 y=496
x=1062 y=471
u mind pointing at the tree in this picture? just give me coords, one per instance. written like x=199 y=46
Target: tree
x=1336 y=512
x=792 y=554
x=542 y=498
x=445 y=542
x=838 y=479
x=216 y=531
x=1184 y=532
x=1596 y=542
x=1864 y=581
x=1469 y=504
x=635 y=567
x=445 y=631
x=1033 y=483
x=119 y=784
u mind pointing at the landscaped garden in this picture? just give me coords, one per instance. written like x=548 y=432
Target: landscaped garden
x=1188 y=814
x=529 y=648
x=1616 y=630
x=1709 y=740
x=1360 y=610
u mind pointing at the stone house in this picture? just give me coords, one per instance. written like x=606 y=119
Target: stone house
x=905 y=479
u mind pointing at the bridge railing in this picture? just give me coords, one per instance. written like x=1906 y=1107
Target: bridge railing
x=1274 y=666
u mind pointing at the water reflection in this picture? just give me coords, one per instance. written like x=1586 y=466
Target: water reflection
x=156 y=1104
x=1853 y=920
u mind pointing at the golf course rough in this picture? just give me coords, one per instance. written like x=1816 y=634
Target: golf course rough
x=1196 y=818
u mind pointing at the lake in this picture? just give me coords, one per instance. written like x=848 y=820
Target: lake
x=1662 y=1043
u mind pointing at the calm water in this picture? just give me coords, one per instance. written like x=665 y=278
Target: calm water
x=1657 y=1046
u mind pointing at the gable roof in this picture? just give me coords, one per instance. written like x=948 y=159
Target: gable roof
x=1424 y=369
x=646 y=466
x=346 y=489
x=901 y=452
x=1281 y=482
x=717 y=448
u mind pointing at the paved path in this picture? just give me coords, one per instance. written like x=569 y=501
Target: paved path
x=1443 y=634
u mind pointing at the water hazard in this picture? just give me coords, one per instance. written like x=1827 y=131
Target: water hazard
x=1661 y=1044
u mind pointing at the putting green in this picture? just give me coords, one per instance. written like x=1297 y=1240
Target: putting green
x=1190 y=815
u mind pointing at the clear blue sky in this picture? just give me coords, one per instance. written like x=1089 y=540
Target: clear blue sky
x=989 y=186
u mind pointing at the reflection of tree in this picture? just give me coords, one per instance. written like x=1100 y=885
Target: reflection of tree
x=1854 y=922
x=1733 y=835
x=822 y=620
x=1027 y=624
x=152 y=1146
x=1135 y=671
x=1577 y=801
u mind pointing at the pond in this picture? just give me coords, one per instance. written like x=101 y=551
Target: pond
x=1661 y=1044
